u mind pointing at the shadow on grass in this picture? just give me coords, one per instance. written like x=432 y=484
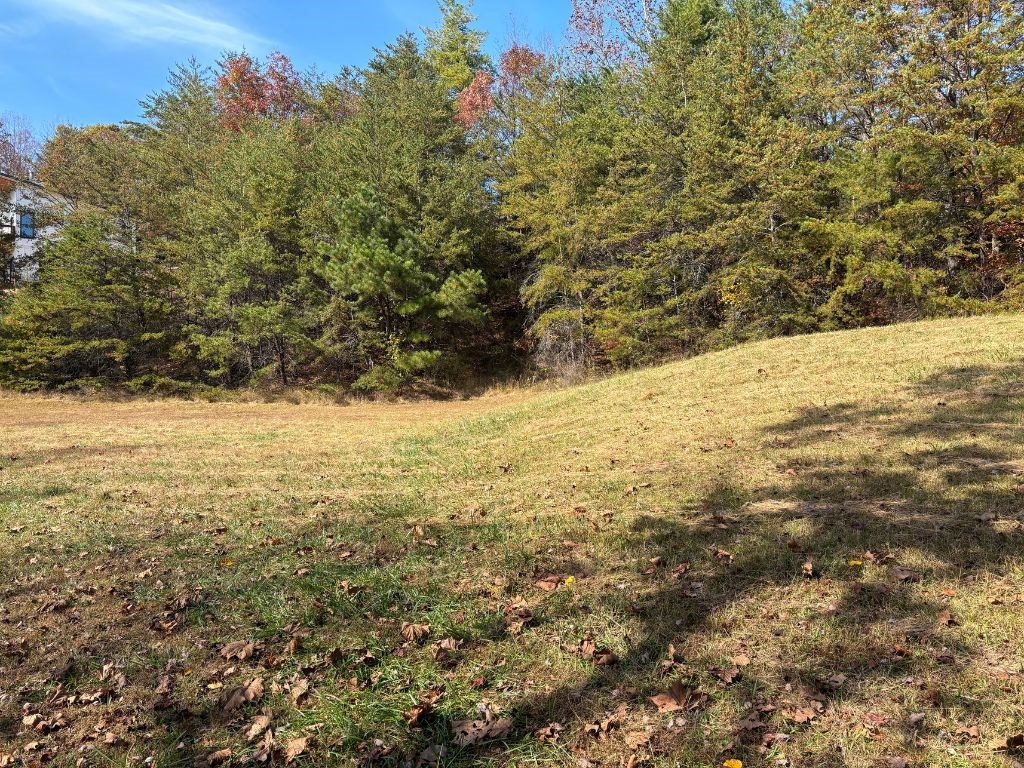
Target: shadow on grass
x=926 y=489
x=934 y=487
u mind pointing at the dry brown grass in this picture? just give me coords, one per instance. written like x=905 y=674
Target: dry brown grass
x=871 y=455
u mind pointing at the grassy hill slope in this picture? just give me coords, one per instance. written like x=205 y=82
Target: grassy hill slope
x=802 y=552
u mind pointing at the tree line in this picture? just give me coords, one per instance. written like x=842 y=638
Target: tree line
x=677 y=176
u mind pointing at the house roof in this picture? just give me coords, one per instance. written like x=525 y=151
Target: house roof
x=17 y=180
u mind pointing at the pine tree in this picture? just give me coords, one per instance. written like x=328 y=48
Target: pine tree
x=454 y=49
x=98 y=312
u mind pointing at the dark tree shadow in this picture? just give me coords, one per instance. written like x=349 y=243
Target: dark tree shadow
x=951 y=501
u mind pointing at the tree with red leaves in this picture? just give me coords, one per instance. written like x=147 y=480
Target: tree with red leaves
x=247 y=88
x=516 y=64
x=476 y=100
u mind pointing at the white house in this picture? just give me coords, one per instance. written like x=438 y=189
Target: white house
x=23 y=203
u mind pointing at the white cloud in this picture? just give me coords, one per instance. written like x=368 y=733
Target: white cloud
x=148 y=21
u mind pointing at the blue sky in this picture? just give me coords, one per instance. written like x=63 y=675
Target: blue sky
x=88 y=61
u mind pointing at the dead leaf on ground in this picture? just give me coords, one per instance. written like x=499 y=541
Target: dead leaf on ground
x=1009 y=744
x=295 y=748
x=602 y=657
x=467 y=733
x=414 y=632
x=727 y=675
x=258 y=726
x=548 y=583
x=602 y=728
x=680 y=697
x=721 y=554
x=967 y=733
x=905 y=575
x=239 y=650
x=803 y=714
x=750 y=723
x=165 y=687
x=265 y=750
x=414 y=715
x=836 y=681
x=243 y=694
x=550 y=732
x=299 y=691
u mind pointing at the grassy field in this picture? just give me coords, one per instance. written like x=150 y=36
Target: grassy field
x=805 y=552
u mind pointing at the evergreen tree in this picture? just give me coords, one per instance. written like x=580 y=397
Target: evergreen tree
x=413 y=233
x=98 y=312
x=454 y=49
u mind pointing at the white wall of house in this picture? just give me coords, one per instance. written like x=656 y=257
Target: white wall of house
x=25 y=205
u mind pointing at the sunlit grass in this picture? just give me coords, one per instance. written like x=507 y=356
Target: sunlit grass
x=677 y=505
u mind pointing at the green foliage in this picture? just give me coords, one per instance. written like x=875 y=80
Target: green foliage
x=98 y=311
x=245 y=276
x=746 y=169
x=772 y=171
x=453 y=49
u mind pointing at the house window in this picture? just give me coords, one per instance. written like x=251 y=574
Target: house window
x=27 y=225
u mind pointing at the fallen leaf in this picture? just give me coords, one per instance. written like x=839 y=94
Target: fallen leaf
x=601 y=729
x=243 y=694
x=680 y=697
x=470 y=732
x=1009 y=744
x=771 y=739
x=295 y=748
x=638 y=739
x=721 y=554
x=548 y=583
x=265 y=750
x=732 y=764
x=414 y=715
x=432 y=755
x=602 y=657
x=679 y=570
x=905 y=575
x=299 y=691
x=257 y=727
x=415 y=632
x=350 y=589
x=800 y=714
x=967 y=733
x=750 y=723
x=727 y=675
x=165 y=687
x=550 y=732
x=836 y=681
x=239 y=650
